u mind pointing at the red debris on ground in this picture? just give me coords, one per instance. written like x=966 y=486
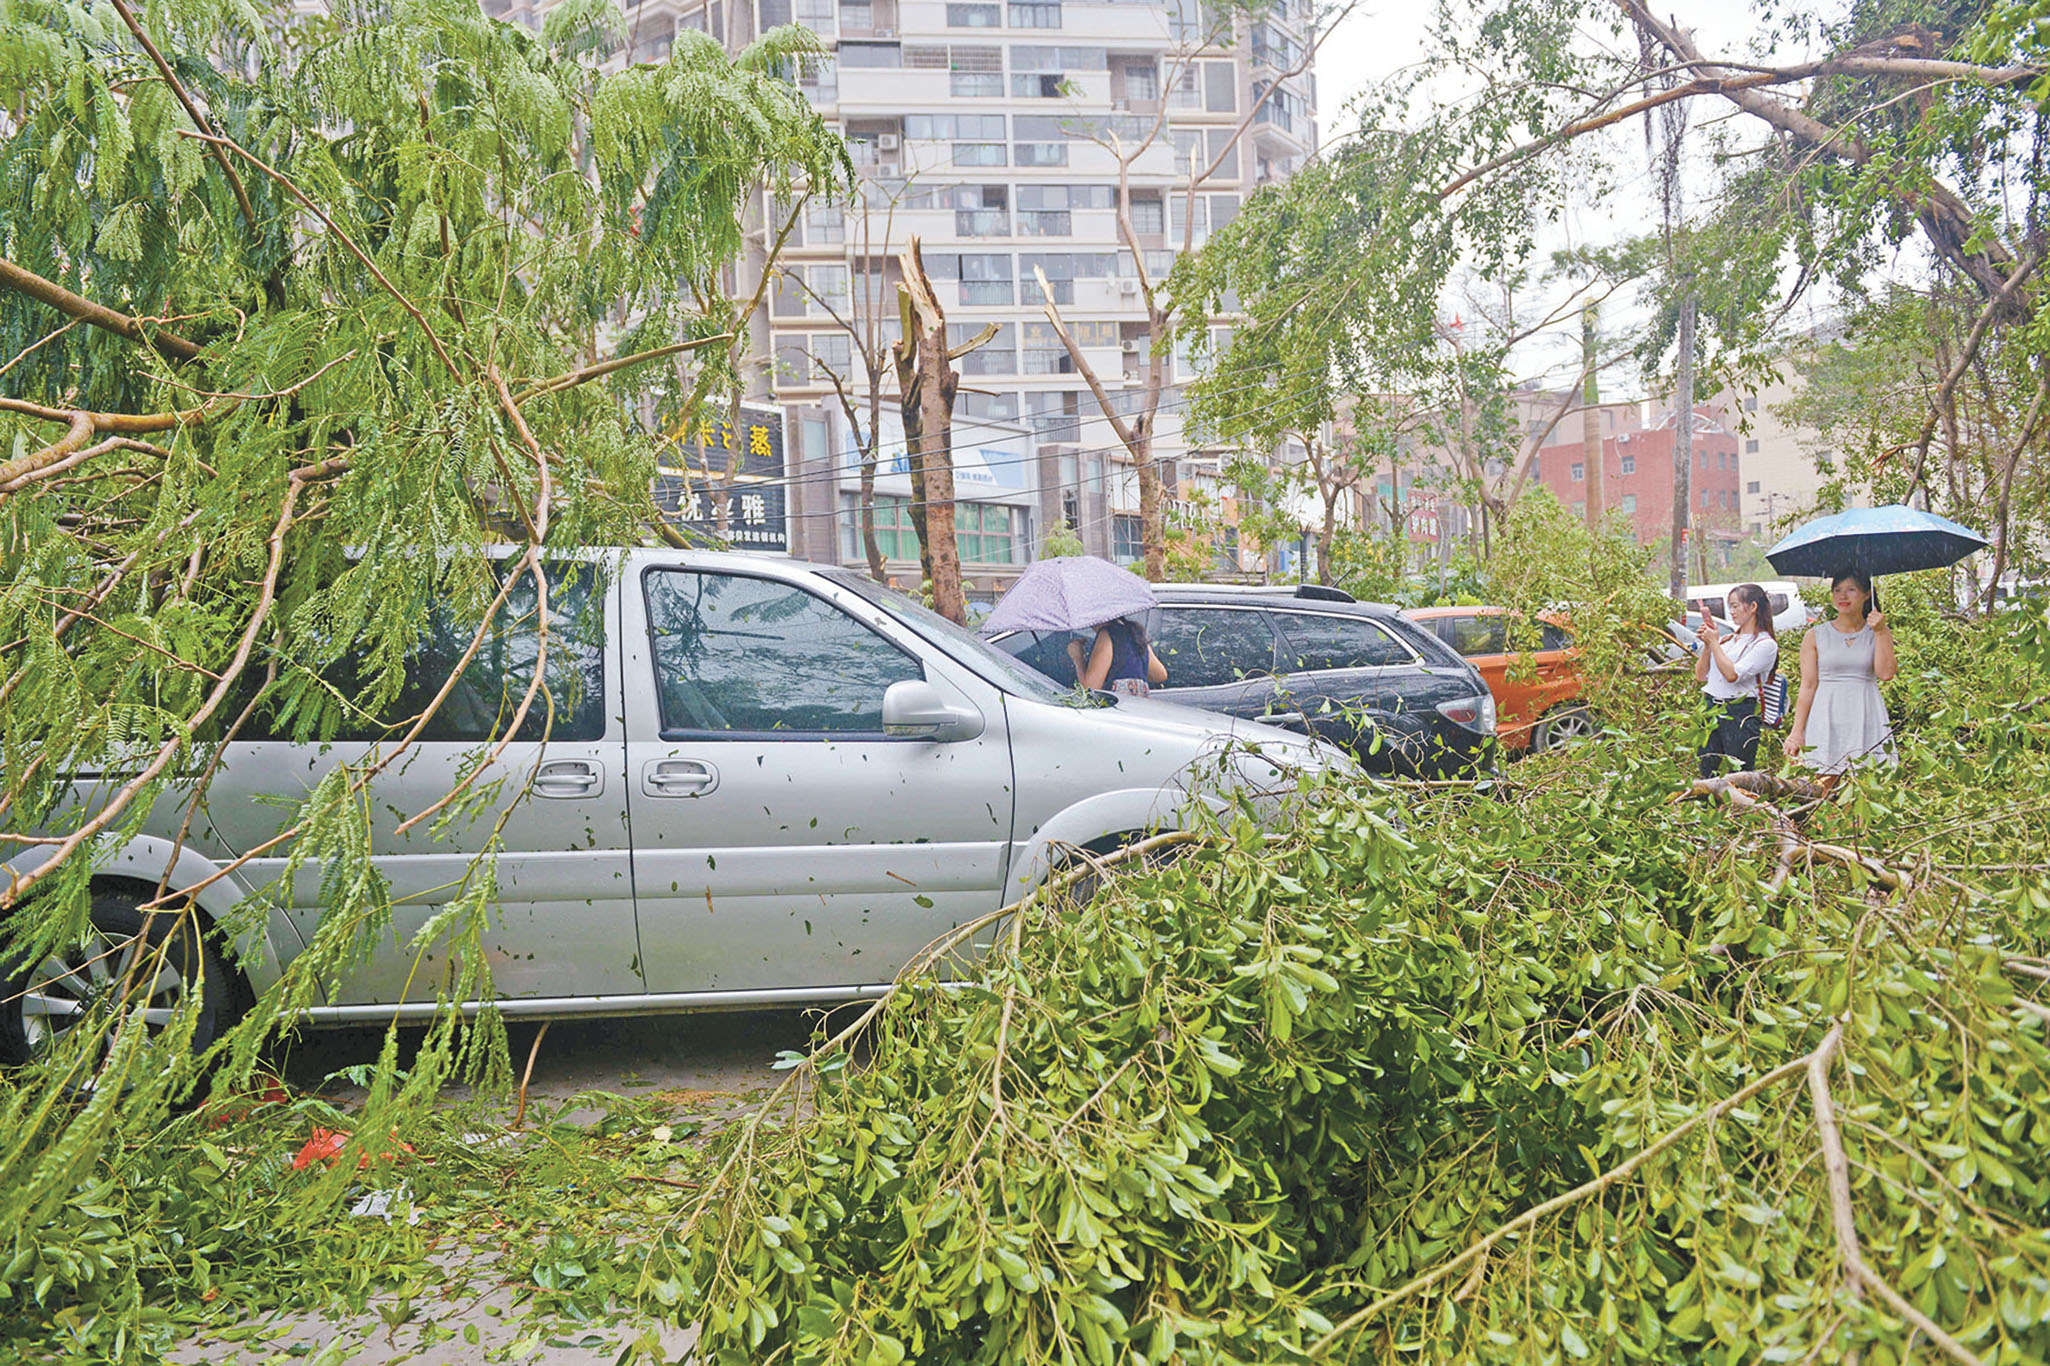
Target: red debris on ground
x=327 y=1144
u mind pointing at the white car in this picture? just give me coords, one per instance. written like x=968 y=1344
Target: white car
x=1789 y=613
x=766 y=782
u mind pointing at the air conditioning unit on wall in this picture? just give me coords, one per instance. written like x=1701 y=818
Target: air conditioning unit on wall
x=1128 y=288
x=886 y=142
x=887 y=169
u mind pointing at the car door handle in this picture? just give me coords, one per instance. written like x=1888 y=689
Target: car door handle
x=569 y=778
x=1283 y=718
x=678 y=778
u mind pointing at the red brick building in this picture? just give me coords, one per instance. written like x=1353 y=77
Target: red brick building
x=1637 y=476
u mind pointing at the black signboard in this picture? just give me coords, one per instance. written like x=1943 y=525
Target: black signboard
x=745 y=464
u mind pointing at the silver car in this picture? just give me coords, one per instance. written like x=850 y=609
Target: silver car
x=763 y=782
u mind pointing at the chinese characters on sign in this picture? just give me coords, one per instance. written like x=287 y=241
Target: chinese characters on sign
x=743 y=463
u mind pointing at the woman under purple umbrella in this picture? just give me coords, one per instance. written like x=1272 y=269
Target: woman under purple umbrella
x=1119 y=659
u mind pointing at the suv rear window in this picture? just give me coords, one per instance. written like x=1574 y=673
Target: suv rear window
x=1320 y=640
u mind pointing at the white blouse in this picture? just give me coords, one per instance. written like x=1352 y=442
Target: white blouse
x=1754 y=656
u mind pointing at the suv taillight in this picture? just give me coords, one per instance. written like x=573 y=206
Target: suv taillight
x=1475 y=713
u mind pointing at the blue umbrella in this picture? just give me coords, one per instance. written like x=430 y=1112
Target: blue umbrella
x=1895 y=539
x=1069 y=593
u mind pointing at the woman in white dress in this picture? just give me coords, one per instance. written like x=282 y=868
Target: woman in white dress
x=1728 y=669
x=1840 y=719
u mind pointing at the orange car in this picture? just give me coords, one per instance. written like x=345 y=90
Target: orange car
x=1538 y=707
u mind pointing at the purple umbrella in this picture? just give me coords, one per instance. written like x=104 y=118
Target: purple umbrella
x=1069 y=593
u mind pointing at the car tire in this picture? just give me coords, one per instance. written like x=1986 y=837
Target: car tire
x=1568 y=721
x=43 y=999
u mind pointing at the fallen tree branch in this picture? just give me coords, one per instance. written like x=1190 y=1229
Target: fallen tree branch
x=19 y=883
x=199 y=120
x=38 y=473
x=170 y=344
x=1580 y=1192
x=1837 y=1171
x=605 y=367
x=285 y=181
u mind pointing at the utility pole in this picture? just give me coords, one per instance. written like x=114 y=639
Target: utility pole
x=1683 y=440
x=1590 y=422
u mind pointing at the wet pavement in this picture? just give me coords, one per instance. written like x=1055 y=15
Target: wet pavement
x=717 y=1061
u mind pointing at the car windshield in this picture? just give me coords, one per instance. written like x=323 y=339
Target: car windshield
x=962 y=645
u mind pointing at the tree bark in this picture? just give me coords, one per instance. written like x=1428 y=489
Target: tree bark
x=1591 y=423
x=929 y=403
x=1683 y=443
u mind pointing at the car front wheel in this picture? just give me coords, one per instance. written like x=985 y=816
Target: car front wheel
x=149 y=963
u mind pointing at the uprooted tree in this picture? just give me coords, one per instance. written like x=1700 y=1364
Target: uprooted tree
x=301 y=320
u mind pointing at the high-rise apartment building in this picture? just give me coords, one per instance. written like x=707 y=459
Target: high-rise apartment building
x=997 y=133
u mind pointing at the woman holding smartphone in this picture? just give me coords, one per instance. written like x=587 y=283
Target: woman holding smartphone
x=1729 y=670
x=1840 y=718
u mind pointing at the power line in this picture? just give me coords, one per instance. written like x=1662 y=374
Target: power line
x=832 y=475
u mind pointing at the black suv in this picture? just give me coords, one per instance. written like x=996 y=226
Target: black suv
x=1314 y=660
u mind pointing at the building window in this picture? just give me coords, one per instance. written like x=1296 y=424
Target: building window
x=1035 y=14
x=997 y=356
x=1751 y=446
x=1703 y=499
x=973 y=16
x=984 y=407
x=1044 y=353
x=1751 y=487
x=1629 y=464
x=981 y=211
x=1043 y=210
x=1062 y=269
x=1149 y=217
x=1628 y=503
x=955 y=127
x=1751 y=404
x=1126 y=545
x=986 y=532
x=1579 y=471
x=871 y=55
x=1037 y=85
x=1041 y=140
x=1142 y=82
x=980 y=154
x=895 y=536
x=977 y=71
x=805 y=359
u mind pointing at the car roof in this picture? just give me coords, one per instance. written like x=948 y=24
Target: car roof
x=1551 y=616
x=1296 y=594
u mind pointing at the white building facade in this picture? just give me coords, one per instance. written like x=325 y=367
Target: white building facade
x=988 y=129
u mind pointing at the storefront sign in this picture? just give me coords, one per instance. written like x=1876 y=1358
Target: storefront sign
x=743 y=463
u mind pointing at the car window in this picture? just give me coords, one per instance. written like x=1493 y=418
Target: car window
x=1318 y=640
x=1475 y=635
x=487 y=695
x=1206 y=647
x=742 y=654
x=1554 y=638
x=1778 y=601
x=964 y=647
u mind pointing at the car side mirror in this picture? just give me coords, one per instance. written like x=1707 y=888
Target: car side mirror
x=914 y=710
